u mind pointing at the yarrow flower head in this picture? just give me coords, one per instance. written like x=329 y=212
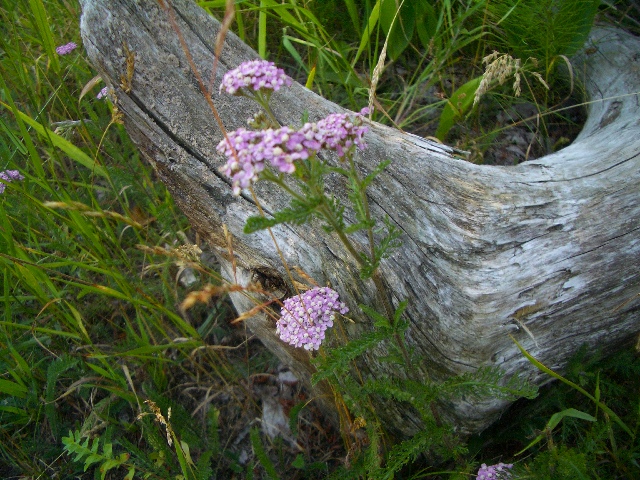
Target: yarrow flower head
x=255 y=75
x=66 y=48
x=340 y=132
x=306 y=317
x=499 y=471
x=9 y=176
x=247 y=150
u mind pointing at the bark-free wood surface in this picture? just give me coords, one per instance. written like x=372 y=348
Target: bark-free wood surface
x=551 y=244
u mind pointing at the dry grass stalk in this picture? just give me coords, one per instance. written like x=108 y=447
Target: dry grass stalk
x=377 y=72
x=155 y=410
x=501 y=67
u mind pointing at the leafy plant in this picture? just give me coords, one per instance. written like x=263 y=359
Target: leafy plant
x=89 y=452
x=545 y=30
x=457 y=107
x=577 y=444
x=262 y=456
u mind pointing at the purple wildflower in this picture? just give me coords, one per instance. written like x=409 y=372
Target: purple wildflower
x=306 y=317
x=102 y=93
x=256 y=75
x=499 y=471
x=9 y=176
x=340 y=132
x=247 y=150
x=242 y=165
x=251 y=149
x=66 y=48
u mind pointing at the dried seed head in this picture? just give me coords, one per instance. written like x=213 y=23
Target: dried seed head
x=500 y=67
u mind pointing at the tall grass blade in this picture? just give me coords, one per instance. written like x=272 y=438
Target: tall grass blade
x=63 y=144
x=13 y=389
x=368 y=31
x=353 y=15
x=557 y=376
x=33 y=153
x=19 y=146
x=553 y=423
x=44 y=30
x=458 y=105
x=262 y=30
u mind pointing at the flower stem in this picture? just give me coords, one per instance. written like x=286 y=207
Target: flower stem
x=375 y=276
x=264 y=103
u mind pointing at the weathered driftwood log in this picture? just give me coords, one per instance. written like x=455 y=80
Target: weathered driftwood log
x=546 y=251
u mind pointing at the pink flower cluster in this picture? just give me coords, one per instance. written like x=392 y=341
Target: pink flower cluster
x=247 y=150
x=66 y=48
x=8 y=176
x=306 y=317
x=256 y=75
x=340 y=133
x=499 y=471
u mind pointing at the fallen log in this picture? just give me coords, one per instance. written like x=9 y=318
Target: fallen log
x=545 y=251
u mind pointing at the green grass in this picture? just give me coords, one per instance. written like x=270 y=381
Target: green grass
x=91 y=326
x=433 y=49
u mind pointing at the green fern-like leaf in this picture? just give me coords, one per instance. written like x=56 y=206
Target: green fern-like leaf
x=419 y=395
x=544 y=29
x=438 y=439
x=357 y=471
x=373 y=459
x=487 y=382
x=336 y=212
x=89 y=451
x=94 y=456
x=338 y=359
x=376 y=171
x=389 y=241
x=368 y=267
x=564 y=463
x=261 y=454
x=143 y=459
x=82 y=449
x=113 y=463
x=203 y=467
x=54 y=371
x=381 y=322
x=408 y=450
x=297 y=214
x=356 y=227
x=483 y=383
